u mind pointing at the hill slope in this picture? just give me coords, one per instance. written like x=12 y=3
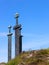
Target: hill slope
x=2 y=63
x=35 y=57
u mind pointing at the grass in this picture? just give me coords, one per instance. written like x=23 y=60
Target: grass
x=38 y=58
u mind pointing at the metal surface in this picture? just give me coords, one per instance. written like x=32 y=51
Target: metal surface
x=18 y=37
x=9 y=43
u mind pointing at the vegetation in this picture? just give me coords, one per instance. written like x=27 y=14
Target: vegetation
x=35 y=57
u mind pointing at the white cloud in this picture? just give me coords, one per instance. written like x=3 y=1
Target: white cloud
x=35 y=41
x=3 y=34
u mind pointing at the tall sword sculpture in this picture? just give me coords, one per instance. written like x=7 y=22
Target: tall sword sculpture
x=9 y=43
x=18 y=37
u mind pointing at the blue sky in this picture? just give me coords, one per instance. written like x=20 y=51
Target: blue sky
x=34 y=17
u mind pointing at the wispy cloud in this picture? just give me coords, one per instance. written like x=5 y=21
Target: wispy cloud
x=3 y=33
x=35 y=44
x=34 y=35
x=35 y=41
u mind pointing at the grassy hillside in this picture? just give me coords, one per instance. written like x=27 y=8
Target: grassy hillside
x=2 y=63
x=35 y=57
